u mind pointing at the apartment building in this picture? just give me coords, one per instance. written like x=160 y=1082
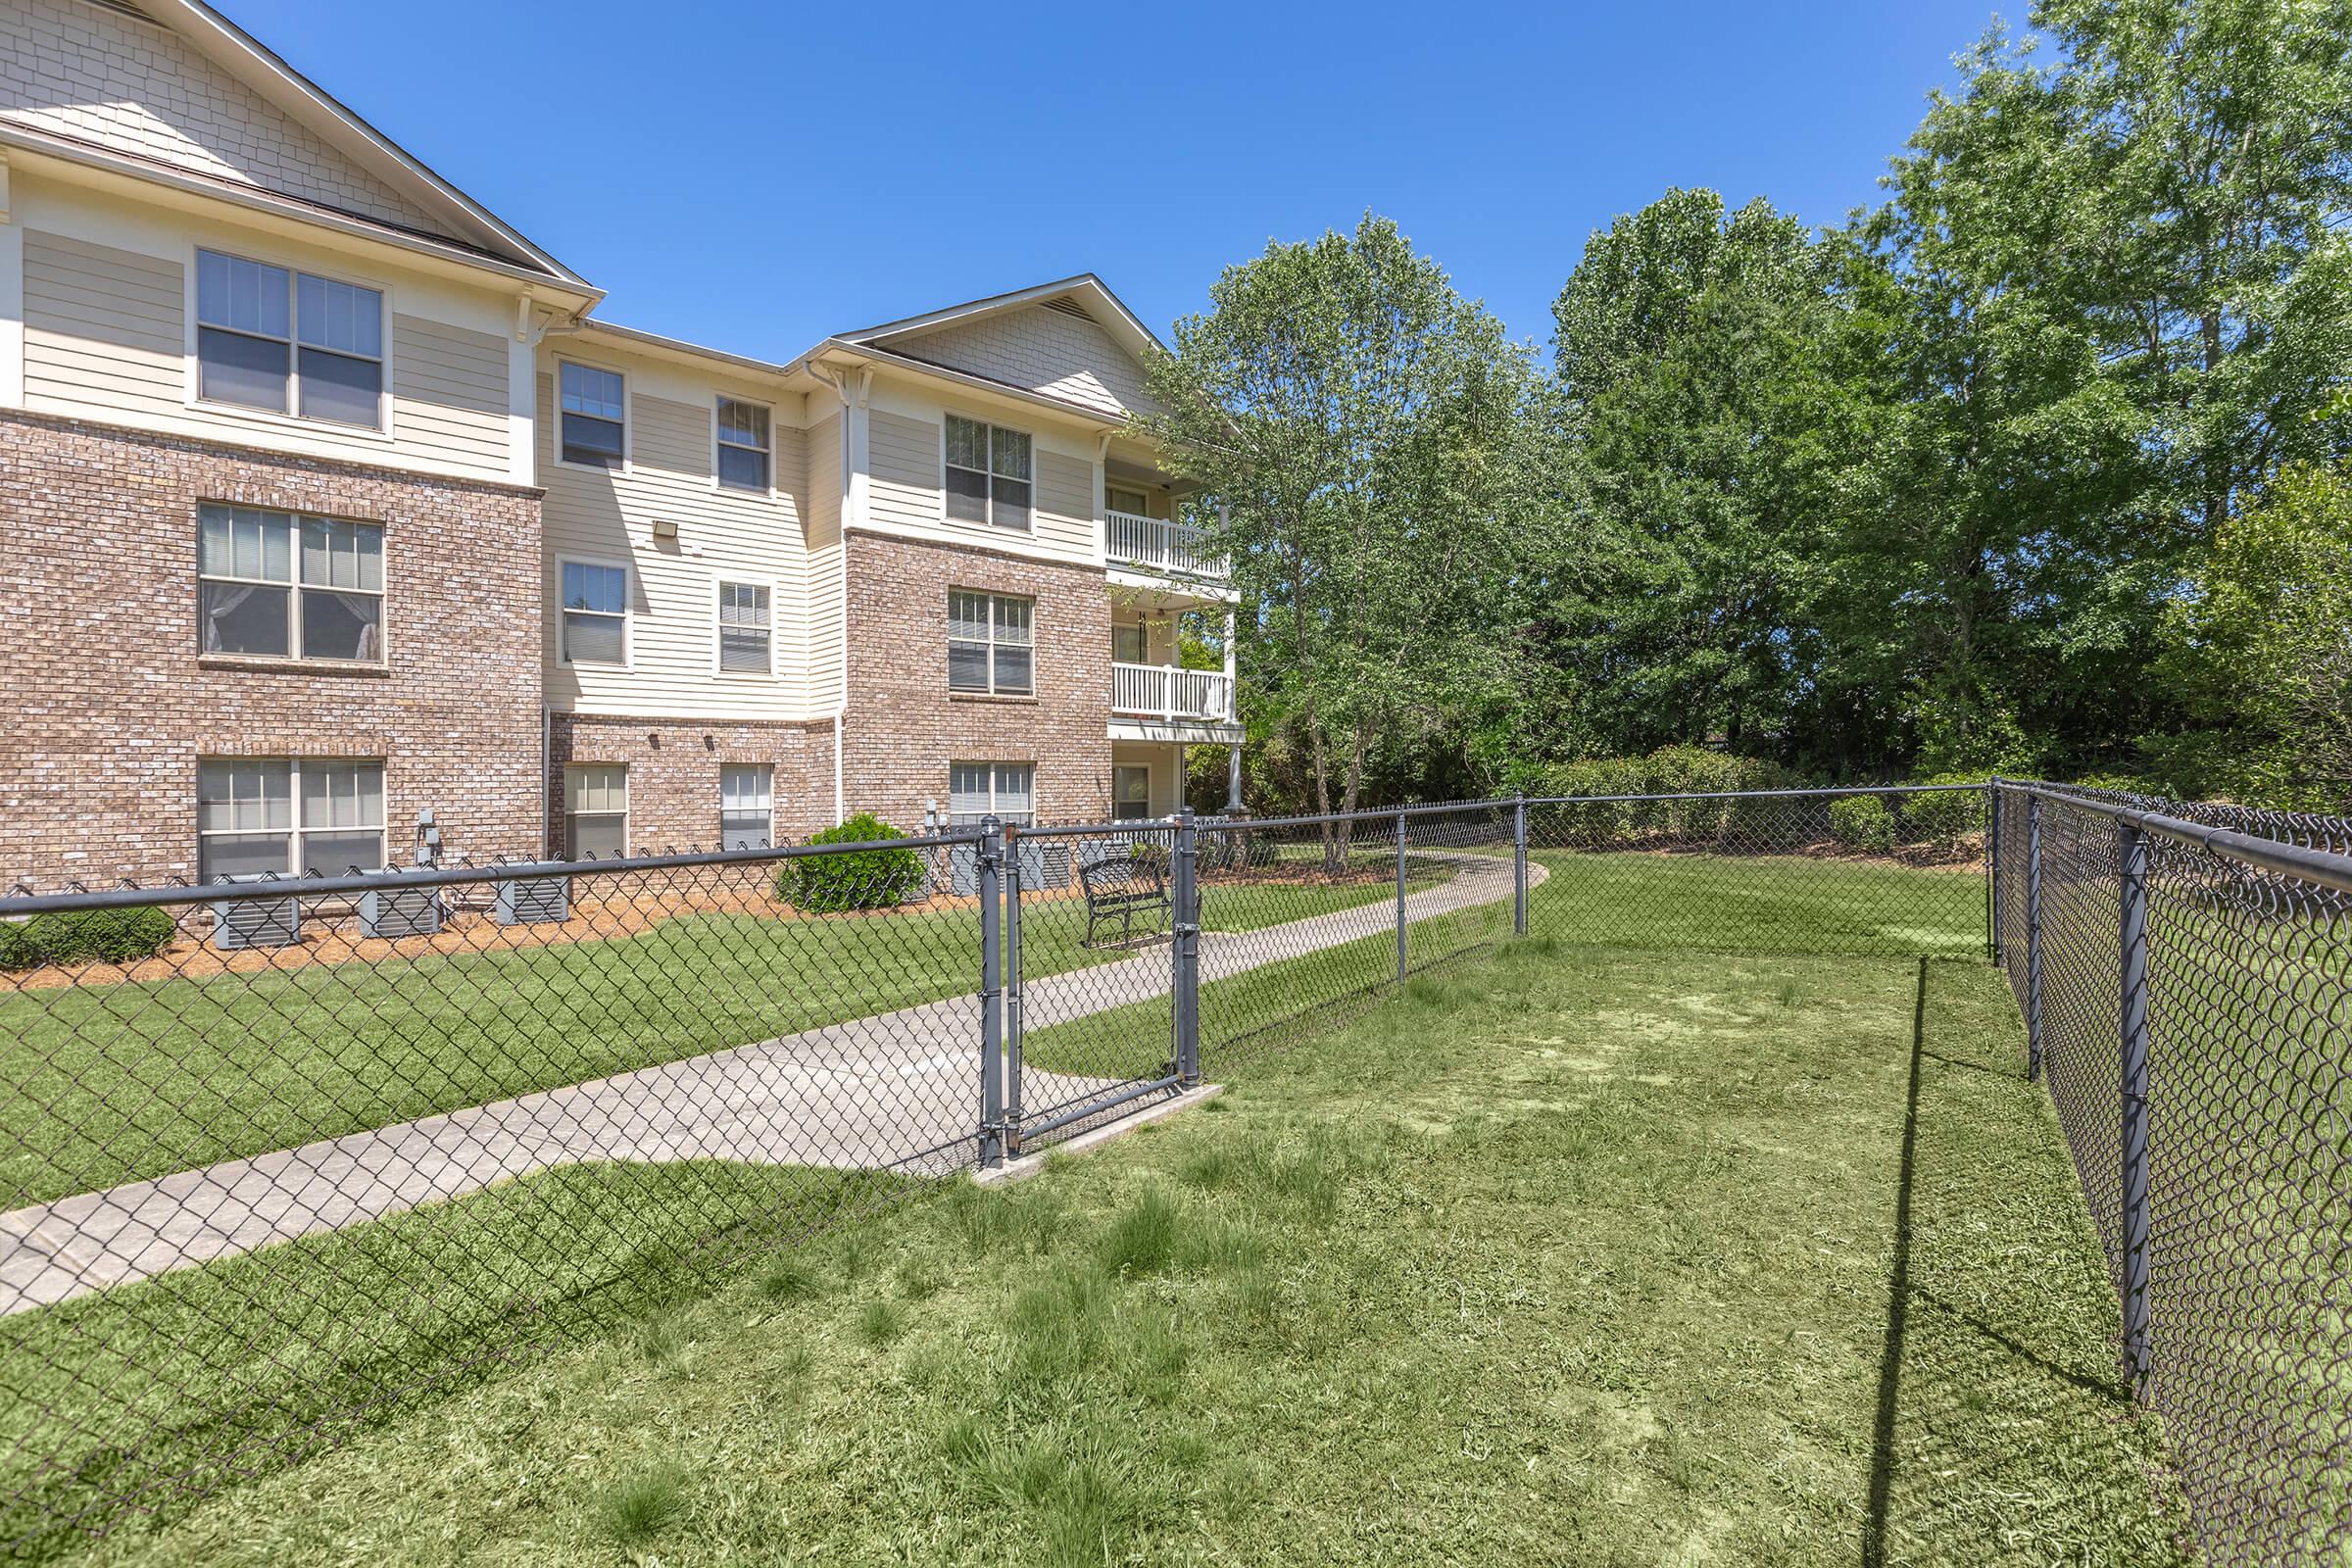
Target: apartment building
x=329 y=505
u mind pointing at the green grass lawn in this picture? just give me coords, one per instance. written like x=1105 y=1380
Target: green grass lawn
x=1577 y=1255
x=106 y=1083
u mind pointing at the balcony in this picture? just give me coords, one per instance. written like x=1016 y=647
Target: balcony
x=1171 y=696
x=1155 y=544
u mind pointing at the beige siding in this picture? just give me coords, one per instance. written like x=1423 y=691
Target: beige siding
x=828 y=625
x=1065 y=504
x=904 y=474
x=449 y=393
x=104 y=328
x=904 y=454
x=78 y=70
x=723 y=536
x=1041 y=348
x=105 y=339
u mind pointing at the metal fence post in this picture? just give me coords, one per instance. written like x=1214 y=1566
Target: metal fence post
x=1993 y=868
x=1519 y=864
x=1400 y=899
x=2134 y=1067
x=2033 y=938
x=991 y=863
x=1187 y=991
x=1013 y=993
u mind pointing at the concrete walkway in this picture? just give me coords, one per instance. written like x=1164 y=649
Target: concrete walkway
x=896 y=1091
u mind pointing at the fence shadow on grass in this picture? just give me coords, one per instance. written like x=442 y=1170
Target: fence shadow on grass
x=1985 y=1374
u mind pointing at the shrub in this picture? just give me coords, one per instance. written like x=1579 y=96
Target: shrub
x=1863 y=822
x=1945 y=817
x=1260 y=849
x=1668 y=770
x=863 y=879
x=112 y=936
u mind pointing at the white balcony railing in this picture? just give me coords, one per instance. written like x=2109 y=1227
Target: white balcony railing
x=1159 y=545
x=1171 y=695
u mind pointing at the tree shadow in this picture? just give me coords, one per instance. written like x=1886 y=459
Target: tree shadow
x=2003 y=1430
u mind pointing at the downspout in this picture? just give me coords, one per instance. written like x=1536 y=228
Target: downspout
x=841 y=704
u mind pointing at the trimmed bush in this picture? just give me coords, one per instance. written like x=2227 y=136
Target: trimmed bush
x=1862 y=822
x=110 y=936
x=1945 y=818
x=1668 y=770
x=864 y=879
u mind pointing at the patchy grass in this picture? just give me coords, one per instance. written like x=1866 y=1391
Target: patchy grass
x=1584 y=1256
x=110 y=1083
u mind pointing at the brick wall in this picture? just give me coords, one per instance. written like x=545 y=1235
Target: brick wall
x=675 y=769
x=903 y=729
x=111 y=705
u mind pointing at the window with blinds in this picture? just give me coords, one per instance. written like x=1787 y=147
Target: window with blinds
x=989 y=646
x=744 y=642
x=977 y=789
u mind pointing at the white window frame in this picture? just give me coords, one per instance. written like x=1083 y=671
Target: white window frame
x=1144 y=497
x=994 y=642
x=571 y=850
x=996 y=793
x=297 y=830
x=292 y=417
x=718 y=588
x=989 y=519
x=769 y=838
x=629 y=426
x=628 y=615
x=1118 y=769
x=295 y=587
x=717 y=442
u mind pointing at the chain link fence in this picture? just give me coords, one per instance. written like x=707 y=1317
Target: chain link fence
x=2186 y=975
x=285 y=1157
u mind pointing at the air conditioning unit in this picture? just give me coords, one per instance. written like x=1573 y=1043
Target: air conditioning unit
x=532 y=899
x=257 y=922
x=400 y=911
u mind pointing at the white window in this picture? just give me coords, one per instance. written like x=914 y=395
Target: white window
x=596 y=811
x=1131 y=501
x=592 y=414
x=743 y=445
x=288 y=816
x=747 y=807
x=988 y=474
x=268 y=337
x=976 y=789
x=596 y=613
x=989 y=644
x=1130 y=794
x=1130 y=643
x=272 y=585
x=745 y=642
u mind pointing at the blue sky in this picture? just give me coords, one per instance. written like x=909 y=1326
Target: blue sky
x=753 y=175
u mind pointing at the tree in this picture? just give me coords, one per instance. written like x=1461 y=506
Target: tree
x=2111 y=302
x=1694 y=354
x=1359 y=426
x=2261 y=648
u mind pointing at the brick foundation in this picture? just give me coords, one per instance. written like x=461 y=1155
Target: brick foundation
x=113 y=706
x=674 y=772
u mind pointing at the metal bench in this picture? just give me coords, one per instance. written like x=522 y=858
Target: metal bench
x=1119 y=887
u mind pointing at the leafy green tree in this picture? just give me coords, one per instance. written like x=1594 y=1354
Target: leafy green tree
x=2261 y=648
x=1359 y=425
x=1694 y=358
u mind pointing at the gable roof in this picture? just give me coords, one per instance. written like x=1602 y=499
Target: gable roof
x=450 y=218
x=1107 y=310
